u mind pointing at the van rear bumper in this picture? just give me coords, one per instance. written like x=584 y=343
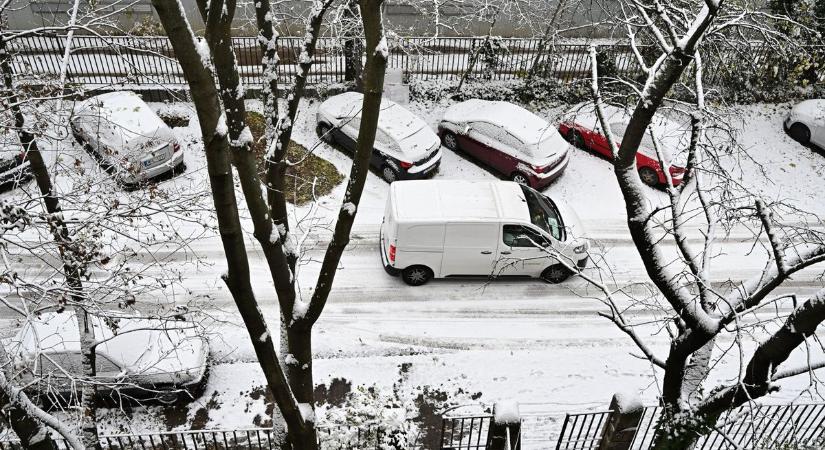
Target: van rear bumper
x=387 y=267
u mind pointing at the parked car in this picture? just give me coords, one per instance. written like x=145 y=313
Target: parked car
x=127 y=137
x=405 y=147
x=511 y=140
x=806 y=123
x=448 y=228
x=139 y=357
x=585 y=131
x=14 y=167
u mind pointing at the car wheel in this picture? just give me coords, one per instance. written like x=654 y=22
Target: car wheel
x=648 y=176
x=555 y=274
x=389 y=174
x=325 y=132
x=800 y=133
x=450 y=140
x=520 y=178
x=416 y=275
x=575 y=138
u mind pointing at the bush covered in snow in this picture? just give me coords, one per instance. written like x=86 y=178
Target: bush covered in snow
x=369 y=418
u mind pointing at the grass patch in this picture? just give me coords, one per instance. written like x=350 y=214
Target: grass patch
x=300 y=177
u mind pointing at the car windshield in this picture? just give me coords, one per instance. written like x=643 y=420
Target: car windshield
x=543 y=213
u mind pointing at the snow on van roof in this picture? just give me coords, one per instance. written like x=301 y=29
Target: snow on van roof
x=394 y=119
x=425 y=200
x=521 y=123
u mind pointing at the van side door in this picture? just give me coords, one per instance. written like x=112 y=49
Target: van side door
x=470 y=248
x=523 y=251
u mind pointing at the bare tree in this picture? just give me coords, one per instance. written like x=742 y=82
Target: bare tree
x=227 y=141
x=683 y=35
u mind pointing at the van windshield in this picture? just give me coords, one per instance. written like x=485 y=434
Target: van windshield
x=543 y=213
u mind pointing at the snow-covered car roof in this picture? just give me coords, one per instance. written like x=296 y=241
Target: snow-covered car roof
x=136 y=344
x=122 y=120
x=423 y=200
x=673 y=137
x=521 y=123
x=394 y=119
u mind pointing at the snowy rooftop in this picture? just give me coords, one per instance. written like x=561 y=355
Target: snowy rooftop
x=458 y=200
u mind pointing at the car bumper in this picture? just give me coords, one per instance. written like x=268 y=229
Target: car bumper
x=384 y=262
x=130 y=179
x=426 y=170
x=541 y=180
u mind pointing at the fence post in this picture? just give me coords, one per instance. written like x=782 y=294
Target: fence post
x=505 y=427
x=626 y=414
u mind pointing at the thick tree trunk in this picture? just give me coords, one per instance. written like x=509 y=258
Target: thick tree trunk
x=71 y=270
x=207 y=104
x=353 y=49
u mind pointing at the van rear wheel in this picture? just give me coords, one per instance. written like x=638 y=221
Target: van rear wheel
x=556 y=274
x=416 y=275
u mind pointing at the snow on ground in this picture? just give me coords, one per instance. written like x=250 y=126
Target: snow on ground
x=541 y=345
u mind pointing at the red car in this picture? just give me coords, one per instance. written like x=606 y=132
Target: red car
x=508 y=139
x=587 y=134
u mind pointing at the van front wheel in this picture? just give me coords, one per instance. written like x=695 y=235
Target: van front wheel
x=555 y=274
x=416 y=275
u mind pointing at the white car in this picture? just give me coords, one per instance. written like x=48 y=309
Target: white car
x=125 y=135
x=511 y=140
x=137 y=357
x=405 y=147
x=806 y=122
x=455 y=228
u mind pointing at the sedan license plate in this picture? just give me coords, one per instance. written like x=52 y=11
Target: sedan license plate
x=154 y=160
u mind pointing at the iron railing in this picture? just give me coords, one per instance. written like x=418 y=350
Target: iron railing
x=750 y=427
x=149 y=60
x=253 y=439
x=465 y=433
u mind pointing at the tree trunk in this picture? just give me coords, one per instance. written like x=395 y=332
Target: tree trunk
x=353 y=50
x=199 y=76
x=60 y=232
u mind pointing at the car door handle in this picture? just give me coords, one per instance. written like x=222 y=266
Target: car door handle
x=486 y=252
x=505 y=253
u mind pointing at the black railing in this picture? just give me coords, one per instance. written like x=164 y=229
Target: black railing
x=149 y=60
x=465 y=433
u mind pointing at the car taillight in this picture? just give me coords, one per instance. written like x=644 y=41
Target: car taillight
x=406 y=165
x=539 y=169
x=392 y=253
x=175 y=147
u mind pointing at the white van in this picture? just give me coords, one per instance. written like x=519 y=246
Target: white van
x=446 y=228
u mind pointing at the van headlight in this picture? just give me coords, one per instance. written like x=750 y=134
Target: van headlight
x=582 y=248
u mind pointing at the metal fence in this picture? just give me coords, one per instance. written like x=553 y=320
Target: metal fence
x=750 y=427
x=345 y=438
x=465 y=433
x=149 y=60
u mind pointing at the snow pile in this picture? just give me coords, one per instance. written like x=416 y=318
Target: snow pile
x=349 y=208
x=626 y=402
x=506 y=412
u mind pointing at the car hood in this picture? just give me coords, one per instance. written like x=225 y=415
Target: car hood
x=573 y=226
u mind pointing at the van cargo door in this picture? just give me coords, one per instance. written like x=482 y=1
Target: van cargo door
x=470 y=248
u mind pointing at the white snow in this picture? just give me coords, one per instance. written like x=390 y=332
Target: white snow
x=307 y=412
x=349 y=208
x=627 y=401
x=382 y=49
x=244 y=139
x=221 y=129
x=203 y=51
x=506 y=412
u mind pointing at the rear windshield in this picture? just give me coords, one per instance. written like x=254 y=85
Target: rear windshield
x=543 y=213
